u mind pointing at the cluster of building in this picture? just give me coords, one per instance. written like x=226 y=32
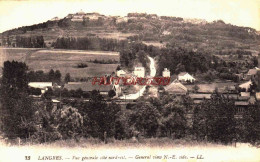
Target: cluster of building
x=242 y=98
x=80 y=16
x=179 y=86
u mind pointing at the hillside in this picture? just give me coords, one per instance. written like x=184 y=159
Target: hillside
x=215 y=37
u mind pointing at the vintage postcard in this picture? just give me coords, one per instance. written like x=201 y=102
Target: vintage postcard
x=130 y=80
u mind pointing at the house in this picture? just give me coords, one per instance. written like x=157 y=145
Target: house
x=241 y=106
x=176 y=88
x=56 y=104
x=166 y=73
x=245 y=94
x=199 y=97
x=257 y=96
x=41 y=85
x=139 y=72
x=118 y=90
x=69 y=16
x=240 y=76
x=185 y=77
x=246 y=85
x=251 y=74
x=120 y=73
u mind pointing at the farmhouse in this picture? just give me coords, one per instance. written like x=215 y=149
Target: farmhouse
x=240 y=76
x=56 y=104
x=166 y=73
x=139 y=72
x=257 y=96
x=245 y=94
x=251 y=74
x=176 y=88
x=246 y=85
x=41 y=85
x=199 y=97
x=120 y=73
x=88 y=87
x=186 y=77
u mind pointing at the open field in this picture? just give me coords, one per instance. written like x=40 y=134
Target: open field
x=210 y=87
x=132 y=150
x=63 y=60
x=13 y=54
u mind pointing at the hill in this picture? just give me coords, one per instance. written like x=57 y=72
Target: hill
x=215 y=37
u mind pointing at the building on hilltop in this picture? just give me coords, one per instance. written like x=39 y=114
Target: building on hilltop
x=78 y=17
x=55 y=19
x=93 y=16
x=121 y=19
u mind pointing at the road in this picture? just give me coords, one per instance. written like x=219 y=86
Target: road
x=141 y=91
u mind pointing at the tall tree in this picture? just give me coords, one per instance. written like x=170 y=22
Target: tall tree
x=174 y=121
x=51 y=75
x=99 y=118
x=67 y=78
x=17 y=108
x=252 y=124
x=145 y=118
x=216 y=119
x=57 y=76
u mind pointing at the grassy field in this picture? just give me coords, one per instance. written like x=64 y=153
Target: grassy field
x=210 y=87
x=64 y=60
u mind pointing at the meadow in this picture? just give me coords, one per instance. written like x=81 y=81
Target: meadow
x=64 y=60
x=210 y=87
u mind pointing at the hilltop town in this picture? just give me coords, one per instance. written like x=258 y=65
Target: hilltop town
x=67 y=65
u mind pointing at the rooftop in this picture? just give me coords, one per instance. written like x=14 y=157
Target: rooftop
x=87 y=86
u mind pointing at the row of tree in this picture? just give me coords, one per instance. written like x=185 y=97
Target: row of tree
x=40 y=76
x=30 y=42
x=90 y=43
x=65 y=93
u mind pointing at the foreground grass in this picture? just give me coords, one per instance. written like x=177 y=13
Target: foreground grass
x=144 y=142
x=131 y=150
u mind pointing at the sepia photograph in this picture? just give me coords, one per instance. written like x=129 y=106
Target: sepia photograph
x=130 y=80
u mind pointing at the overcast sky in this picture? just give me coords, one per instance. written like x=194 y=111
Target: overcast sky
x=26 y=12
